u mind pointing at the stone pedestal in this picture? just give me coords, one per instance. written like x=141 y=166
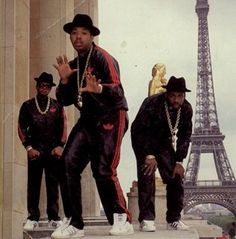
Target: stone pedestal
x=160 y=201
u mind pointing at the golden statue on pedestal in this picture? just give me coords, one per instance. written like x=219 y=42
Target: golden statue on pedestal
x=158 y=80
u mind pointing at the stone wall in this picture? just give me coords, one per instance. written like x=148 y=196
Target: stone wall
x=31 y=38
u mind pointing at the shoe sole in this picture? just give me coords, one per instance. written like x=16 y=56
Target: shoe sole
x=177 y=229
x=67 y=237
x=121 y=234
x=146 y=230
x=30 y=229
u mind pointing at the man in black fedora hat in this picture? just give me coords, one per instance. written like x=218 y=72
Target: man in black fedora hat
x=160 y=137
x=92 y=83
x=43 y=132
x=46 y=78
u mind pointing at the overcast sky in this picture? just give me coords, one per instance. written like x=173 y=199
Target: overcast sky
x=141 y=33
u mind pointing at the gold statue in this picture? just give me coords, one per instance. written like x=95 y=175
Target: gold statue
x=158 y=80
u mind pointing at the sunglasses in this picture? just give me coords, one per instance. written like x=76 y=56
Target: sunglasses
x=43 y=85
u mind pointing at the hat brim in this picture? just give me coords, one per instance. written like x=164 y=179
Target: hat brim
x=175 y=89
x=68 y=27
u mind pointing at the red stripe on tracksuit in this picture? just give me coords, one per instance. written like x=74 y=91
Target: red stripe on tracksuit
x=122 y=115
x=114 y=74
x=64 y=133
x=115 y=162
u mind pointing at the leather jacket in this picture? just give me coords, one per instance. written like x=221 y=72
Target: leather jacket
x=150 y=133
x=42 y=131
x=104 y=67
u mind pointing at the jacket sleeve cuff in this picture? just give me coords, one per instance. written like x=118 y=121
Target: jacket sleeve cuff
x=178 y=159
x=61 y=144
x=26 y=144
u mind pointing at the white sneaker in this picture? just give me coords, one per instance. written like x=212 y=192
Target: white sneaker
x=147 y=226
x=64 y=223
x=54 y=224
x=31 y=225
x=121 y=226
x=68 y=232
x=177 y=225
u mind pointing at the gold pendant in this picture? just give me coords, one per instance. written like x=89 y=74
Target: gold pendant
x=174 y=139
x=79 y=101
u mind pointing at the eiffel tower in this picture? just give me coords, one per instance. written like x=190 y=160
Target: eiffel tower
x=206 y=137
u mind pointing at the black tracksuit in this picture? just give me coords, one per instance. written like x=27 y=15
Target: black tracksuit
x=97 y=135
x=150 y=135
x=43 y=132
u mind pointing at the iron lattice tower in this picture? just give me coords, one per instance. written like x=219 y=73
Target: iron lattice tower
x=206 y=137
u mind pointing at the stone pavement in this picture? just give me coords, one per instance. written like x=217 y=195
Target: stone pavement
x=161 y=233
x=102 y=231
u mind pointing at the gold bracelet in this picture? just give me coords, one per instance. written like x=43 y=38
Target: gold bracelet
x=150 y=157
x=28 y=148
x=100 y=88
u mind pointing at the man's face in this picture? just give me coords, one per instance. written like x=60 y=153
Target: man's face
x=43 y=88
x=175 y=99
x=81 y=39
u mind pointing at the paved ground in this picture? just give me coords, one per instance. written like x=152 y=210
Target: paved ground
x=102 y=231
x=161 y=233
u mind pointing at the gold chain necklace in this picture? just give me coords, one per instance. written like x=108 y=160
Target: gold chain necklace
x=80 y=83
x=38 y=108
x=173 y=130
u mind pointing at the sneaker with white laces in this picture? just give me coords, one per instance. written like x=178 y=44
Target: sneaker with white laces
x=65 y=223
x=147 y=226
x=30 y=225
x=177 y=225
x=54 y=224
x=68 y=232
x=121 y=226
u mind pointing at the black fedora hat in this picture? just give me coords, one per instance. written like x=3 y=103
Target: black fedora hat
x=45 y=77
x=176 y=84
x=81 y=20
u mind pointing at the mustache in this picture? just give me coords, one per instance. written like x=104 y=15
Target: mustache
x=176 y=105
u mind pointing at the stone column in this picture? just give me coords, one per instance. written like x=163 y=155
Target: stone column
x=90 y=198
x=2 y=41
x=160 y=203
x=31 y=37
x=48 y=40
x=14 y=88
